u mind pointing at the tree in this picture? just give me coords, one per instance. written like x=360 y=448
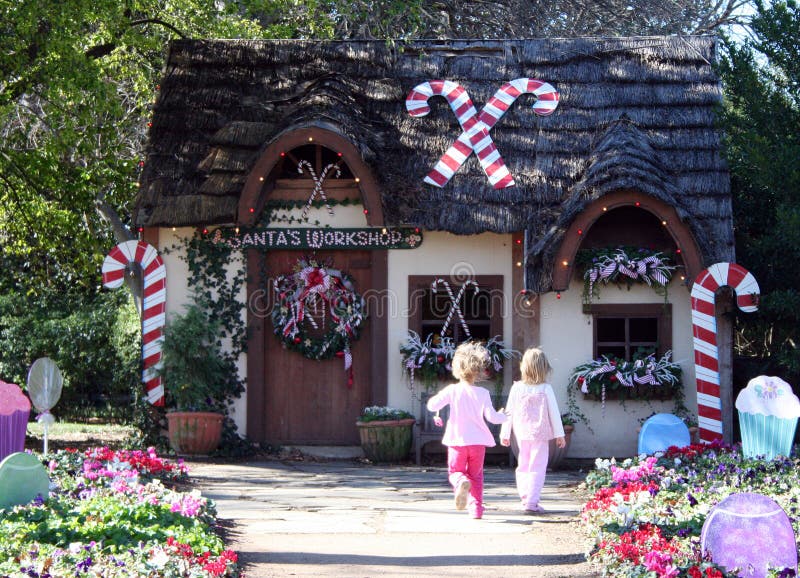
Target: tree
x=76 y=82
x=762 y=122
x=527 y=19
x=77 y=79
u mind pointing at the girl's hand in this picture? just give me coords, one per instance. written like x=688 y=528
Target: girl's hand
x=437 y=421
x=561 y=442
x=507 y=442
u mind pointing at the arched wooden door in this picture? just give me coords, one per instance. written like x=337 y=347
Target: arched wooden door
x=295 y=400
x=292 y=399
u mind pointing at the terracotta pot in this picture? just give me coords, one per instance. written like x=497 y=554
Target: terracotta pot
x=194 y=432
x=386 y=441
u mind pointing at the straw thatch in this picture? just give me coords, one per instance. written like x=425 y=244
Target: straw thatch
x=635 y=113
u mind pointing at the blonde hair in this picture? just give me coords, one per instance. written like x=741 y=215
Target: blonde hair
x=534 y=366
x=470 y=360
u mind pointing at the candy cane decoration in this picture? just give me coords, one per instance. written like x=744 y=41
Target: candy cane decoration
x=476 y=126
x=704 y=329
x=454 y=303
x=317 y=183
x=153 y=305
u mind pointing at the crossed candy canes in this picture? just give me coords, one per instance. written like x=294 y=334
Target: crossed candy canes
x=704 y=329
x=153 y=305
x=317 y=183
x=454 y=303
x=476 y=126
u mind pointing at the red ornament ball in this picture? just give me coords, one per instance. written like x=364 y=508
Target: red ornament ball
x=440 y=358
x=297 y=340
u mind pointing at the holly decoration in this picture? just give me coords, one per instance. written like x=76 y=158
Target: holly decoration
x=317 y=311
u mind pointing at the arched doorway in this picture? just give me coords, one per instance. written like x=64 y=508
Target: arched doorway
x=292 y=399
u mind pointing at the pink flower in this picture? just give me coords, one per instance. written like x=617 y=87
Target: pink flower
x=661 y=564
x=188 y=505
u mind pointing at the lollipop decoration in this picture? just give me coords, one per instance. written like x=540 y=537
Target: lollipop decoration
x=44 y=388
x=704 y=329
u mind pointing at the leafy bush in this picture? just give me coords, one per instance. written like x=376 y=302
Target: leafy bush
x=94 y=340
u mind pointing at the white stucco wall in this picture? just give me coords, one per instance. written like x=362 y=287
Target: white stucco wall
x=566 y=336
x=445 y=255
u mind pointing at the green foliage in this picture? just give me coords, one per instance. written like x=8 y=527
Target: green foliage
x=114 y=514
x=762 y=121
x=196 y=376
x=94 y=341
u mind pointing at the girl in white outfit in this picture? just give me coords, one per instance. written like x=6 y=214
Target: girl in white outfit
x=534 y=419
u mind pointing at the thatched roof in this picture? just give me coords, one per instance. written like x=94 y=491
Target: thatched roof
x=634 y=113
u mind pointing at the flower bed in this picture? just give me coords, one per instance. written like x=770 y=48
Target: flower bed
x=114 y=514
x=646 y=515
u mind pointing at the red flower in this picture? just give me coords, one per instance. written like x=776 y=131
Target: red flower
x=694 y=572
x=714 y=573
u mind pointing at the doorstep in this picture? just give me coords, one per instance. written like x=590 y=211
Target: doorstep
x=330 y=452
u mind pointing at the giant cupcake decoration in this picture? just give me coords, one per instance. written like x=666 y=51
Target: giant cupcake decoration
x=768 y=412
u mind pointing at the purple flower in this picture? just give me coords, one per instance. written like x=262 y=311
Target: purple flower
x=84 y=566
x=692 y=499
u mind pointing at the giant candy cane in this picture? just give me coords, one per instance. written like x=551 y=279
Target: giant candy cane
x=704 y=329
x=476 y=126
x=153 y=305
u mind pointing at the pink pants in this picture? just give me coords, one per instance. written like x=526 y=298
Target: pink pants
x=531 y=468
x=466 y=462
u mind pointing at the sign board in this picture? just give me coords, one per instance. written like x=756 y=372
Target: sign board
x=320 y=238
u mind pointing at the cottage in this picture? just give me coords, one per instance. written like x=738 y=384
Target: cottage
x=358 y=156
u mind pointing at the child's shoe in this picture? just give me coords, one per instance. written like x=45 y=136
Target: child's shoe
x=462 y=493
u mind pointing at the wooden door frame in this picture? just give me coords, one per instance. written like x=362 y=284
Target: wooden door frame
x=259 y=329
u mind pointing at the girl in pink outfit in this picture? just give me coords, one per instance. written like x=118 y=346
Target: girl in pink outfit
x=466 y=434
x=534 y=420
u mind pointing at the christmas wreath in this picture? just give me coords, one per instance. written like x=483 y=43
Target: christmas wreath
x=317 y=311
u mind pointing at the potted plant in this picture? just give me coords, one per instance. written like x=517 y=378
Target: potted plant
x=197 y=381
x=385 y=433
